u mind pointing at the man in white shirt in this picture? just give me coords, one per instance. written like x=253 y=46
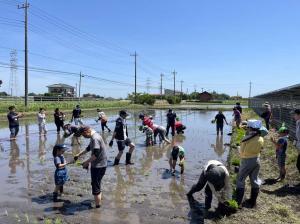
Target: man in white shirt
x=215 y=179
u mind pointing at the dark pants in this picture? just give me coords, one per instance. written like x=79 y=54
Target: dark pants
x=59 y=124
x=168 y=129
x=298 y=163
x=208 y=197
x=104 y=125
x=220 y=128
x=14 y=131
x=96 y=176
x=267 y=120
x=180 y=129
x=202 y=182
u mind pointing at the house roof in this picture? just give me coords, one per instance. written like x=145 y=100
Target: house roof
x=60 y=85
x=205 y=92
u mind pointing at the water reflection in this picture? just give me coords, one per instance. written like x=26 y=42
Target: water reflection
x=42 y=149
x=14 y=159
x=219 y=146
x=130 y=191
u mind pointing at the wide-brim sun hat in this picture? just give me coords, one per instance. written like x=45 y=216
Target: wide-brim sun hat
x=255 y=124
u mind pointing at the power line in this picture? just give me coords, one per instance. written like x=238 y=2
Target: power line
x=50 y=71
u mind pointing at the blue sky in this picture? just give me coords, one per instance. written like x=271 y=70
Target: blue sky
x=215 y=45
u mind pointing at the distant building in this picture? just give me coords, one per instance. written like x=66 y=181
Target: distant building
x=61 y=90
x=205 y=96
x=170 y=92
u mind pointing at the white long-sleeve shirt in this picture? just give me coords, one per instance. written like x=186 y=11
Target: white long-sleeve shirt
x=41 y=118
x=225 y=193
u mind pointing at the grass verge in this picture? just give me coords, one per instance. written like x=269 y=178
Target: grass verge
x=278 y=202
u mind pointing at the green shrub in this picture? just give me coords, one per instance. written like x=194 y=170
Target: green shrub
x=233 y=204
x=145 y=99
x=235 y=161
x=142 y=98
x=173 y=99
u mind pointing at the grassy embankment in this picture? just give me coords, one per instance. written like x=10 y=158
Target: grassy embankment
x=278 y=202
x=67 y=106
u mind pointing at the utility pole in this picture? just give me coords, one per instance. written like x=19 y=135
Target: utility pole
x=76 y=90
x=174 y=76
x=148 y=85
x=25 y=7
x=181 y=93
x=250 y=89
x=161 y=86
x=80 y=76
x=134 y=55
x=202 y=89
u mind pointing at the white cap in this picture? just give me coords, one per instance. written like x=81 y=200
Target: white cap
x=256 y=124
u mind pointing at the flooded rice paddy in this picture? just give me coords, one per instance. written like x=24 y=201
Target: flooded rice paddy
x=142 y=193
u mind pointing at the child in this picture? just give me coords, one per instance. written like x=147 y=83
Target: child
x=61 y=173
x=102 y=117
x=281 y=146
x=178 y=151
x=41 y=117
x=179 y=126
x=149 y=134
x=237 y=117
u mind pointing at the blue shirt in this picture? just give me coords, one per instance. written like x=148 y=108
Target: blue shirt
x=59 y=160
x=283 y=142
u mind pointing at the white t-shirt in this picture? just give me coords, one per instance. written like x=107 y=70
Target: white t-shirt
x=41 y=118
x=225 y=193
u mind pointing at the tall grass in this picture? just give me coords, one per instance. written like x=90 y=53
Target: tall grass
x=64 y=105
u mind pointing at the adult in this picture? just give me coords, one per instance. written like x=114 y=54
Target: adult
x=215 y=179
x=250 y=148
x=103 y=119
x=161 y=132
x=121 y=136
x=72 y=130
x=146 y=121
x=267 y=114
x=297 y=143
x=13 y=122
x=76 y=115
x=239 y=107
x=98 y=160
x=171 y=119
x=59 y=120
x=219 y=119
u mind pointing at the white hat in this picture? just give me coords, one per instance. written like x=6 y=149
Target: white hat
x=256 y=124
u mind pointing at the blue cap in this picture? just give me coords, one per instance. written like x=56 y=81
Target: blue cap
x=60 y=146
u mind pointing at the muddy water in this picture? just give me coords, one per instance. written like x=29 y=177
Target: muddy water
x=142 y=193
